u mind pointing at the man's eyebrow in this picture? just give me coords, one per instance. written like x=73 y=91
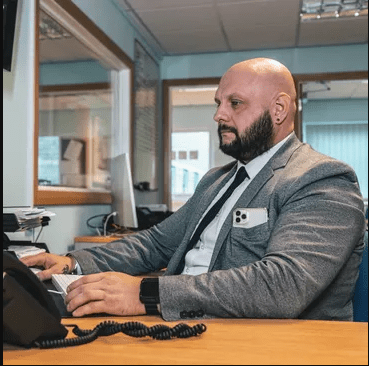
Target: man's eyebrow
x=230 y=96
x=235 y=95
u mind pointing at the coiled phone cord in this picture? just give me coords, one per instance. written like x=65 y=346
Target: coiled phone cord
x=133 y=329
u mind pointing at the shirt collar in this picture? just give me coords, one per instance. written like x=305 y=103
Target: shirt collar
x=254 y=166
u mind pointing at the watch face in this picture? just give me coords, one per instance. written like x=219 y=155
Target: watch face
x=149 y=291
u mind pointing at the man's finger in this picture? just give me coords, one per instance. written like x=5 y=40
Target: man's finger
x=86 y=296
x=92 y=307
x=45 y=274
x=34 y=260
x=85 y=280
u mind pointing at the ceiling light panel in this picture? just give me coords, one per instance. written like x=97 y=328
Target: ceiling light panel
x=322 y=9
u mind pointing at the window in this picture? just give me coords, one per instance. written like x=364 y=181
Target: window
x=185 y=181
x=80 y=86
x=189 y=171
x=182 y=155
x=77 y=126
x=347 y=142
x=194 y=155
x=334 y=115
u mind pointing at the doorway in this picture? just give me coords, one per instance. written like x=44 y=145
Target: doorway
x=192 y=137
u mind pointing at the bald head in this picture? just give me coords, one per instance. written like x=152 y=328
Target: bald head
x=270 y=76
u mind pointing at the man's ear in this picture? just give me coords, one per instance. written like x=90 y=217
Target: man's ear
x=281 y=108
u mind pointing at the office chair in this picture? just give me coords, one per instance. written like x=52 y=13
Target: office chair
x=361 y=290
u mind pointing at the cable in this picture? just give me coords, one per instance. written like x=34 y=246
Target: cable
x=107 y=220
x=133 y=329
x=95 y=227
x=35 y=241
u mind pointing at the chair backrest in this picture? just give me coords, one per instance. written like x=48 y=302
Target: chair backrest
x=361 y=290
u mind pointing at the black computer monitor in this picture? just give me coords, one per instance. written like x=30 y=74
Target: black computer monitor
x=9 y=22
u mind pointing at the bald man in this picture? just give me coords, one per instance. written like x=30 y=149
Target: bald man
x=278 y=233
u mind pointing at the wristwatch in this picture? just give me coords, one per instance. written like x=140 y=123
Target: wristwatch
x=72 y=270
x=149 y=295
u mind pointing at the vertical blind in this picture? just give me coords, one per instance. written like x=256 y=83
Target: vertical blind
x=346 y=141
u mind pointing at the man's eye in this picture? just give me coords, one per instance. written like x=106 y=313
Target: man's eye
x=235 y=103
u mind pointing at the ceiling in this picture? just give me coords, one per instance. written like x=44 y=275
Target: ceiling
x=179 y=27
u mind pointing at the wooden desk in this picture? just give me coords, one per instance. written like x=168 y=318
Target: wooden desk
x=226 y=341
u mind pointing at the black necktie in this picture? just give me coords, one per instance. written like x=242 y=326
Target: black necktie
x=240 y=177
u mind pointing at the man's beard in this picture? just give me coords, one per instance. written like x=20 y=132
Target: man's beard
x=252 y=142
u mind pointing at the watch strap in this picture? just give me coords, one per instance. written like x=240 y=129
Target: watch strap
x=149 y=295
x=152 y=309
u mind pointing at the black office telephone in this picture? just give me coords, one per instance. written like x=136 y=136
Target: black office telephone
x=29 y=312
x=31 y=318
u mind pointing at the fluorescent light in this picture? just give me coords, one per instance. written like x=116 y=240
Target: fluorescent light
x=325 y=9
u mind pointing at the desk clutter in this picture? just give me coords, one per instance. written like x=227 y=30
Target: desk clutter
x=22 y=219
x=147 y=216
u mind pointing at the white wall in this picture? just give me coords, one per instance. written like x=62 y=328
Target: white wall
x=18 y=113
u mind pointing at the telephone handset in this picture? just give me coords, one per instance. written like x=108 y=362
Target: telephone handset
x=29 y=312
x=31 y=318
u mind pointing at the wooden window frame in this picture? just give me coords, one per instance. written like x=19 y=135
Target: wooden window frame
x=44 y=196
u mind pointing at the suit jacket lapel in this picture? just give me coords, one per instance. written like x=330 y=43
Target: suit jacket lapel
x=279 y=160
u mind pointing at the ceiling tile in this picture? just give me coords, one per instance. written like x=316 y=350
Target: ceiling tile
x=252 y=13
x=271 y=36
x=188 y=19
x=145 y=5
x=334 y=31
x=193 y=42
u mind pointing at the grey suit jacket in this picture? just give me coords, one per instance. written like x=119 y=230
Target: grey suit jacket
x=302 y=263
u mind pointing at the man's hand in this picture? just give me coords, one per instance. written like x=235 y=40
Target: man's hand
x=51 y=262
x=108 y=292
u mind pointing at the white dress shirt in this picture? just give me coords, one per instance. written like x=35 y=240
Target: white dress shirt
x=197 y=260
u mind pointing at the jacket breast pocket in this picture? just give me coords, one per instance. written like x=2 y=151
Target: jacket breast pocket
x=250 y=242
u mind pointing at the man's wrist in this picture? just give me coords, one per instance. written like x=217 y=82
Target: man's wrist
x=149 y=295
x=74 y=264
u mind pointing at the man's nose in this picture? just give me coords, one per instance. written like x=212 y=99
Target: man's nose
x=221 y=114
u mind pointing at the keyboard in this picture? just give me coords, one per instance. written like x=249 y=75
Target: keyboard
x=62 y=281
